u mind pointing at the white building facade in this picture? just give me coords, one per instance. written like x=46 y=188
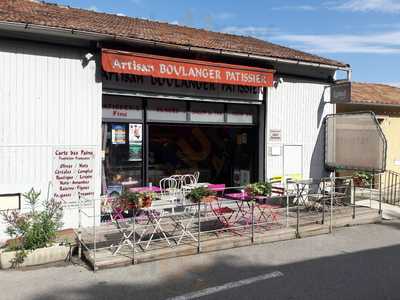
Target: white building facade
x=56 y=98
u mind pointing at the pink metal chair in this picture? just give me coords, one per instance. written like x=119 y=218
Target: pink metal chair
x=224 y=214
x=218 y=188
x=268 y=212
x=113 y=208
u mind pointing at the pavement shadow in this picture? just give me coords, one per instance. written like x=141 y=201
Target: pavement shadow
x=370 y=274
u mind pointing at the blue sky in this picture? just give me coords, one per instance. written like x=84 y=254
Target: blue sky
x=363 y=33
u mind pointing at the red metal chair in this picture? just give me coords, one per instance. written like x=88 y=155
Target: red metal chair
x=267 y=212
x=223 y=214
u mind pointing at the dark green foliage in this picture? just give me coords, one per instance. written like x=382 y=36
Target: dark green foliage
x=199 y=193
x=259 y=189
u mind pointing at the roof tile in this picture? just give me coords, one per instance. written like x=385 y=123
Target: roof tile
x=52 y=15
x=374 y=93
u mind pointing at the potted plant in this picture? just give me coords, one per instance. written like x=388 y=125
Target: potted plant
x=362 y=179
x=145 y=198
x=128 y=200
x=201 y=194
x=259 y=189
x=33 y=234
x=133 y=200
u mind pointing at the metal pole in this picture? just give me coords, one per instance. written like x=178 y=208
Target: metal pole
x=134 y=235
x=252 y=221
x=395 y=189
x=391 y=188
x=380 y=194
x=298 y=211
x=386 y=185
x=353 y=186
x=370 y=190
x=198 y=227
x=79 y=228
x=287 y=202
x=94 y=236
x=332 y=198
x=323 y=201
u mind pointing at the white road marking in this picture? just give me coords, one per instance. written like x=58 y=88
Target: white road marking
x=227 y=286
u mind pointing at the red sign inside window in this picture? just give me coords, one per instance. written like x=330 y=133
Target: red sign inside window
x=184 y=69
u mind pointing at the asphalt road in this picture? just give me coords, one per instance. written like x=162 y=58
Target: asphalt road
x=352 y=263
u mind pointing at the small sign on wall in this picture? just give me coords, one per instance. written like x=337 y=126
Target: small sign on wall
x=275 y=135
x=10 y=202
x=341 y=92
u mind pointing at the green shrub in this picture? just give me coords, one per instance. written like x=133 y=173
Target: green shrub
x=35 y=228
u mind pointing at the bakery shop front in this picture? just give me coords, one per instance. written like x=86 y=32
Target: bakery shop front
x=164 y=116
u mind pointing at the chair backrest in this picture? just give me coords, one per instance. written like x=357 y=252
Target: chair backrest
x=219 y=188
x=178 y=179
x=196 y=176
x=188 y=179
x=168 y=185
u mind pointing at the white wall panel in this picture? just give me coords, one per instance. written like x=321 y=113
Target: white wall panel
x=297 y=107
x=47 y=99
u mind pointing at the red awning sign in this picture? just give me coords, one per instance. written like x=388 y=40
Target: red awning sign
x=184 y=69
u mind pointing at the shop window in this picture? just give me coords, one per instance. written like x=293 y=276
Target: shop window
x=205 y=112
x=166 y=111
x=122 y=163
x=242 y=114
x=218 y=153
x=122 y=108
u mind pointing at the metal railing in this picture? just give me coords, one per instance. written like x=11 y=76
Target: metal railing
x=391 y=187
x=198 y=227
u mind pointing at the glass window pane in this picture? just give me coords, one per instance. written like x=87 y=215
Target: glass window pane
x=123 y=156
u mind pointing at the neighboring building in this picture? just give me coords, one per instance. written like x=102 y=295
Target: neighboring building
x=384 y=101
x=250 y=111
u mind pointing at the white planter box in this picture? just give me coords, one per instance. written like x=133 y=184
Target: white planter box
x=36 y=257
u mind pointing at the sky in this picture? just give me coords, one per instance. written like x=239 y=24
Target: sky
x=362 y=33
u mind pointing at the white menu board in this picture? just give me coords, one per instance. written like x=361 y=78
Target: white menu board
x=73 y=175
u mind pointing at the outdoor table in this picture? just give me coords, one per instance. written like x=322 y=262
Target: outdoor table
x=142 y=189
x=127 y=184
x=154 y=219
x=243 y=198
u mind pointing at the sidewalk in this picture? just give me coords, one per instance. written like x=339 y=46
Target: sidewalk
x=389 y=212
x=351 y=260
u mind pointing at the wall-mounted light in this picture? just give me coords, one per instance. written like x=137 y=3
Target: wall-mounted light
x=87 y=58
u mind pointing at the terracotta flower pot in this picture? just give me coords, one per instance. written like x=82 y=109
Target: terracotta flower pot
x=147 y=201
x=208 y=199
x=358 y=182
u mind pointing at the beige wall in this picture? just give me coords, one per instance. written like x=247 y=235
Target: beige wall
x=391 y=129
x=390 y=124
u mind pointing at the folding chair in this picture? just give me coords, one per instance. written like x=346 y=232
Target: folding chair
x=267 y=213
x=223 y=214
x=126 y=234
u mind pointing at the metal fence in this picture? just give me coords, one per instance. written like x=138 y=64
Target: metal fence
x=184 y=229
